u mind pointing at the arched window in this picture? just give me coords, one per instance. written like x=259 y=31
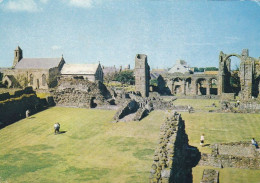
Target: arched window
x=43 y=80
x=31 y=79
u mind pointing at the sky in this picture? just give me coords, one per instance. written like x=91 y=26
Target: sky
x=114 y=31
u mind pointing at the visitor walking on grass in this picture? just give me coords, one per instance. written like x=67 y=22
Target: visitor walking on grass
x=56 y=128
x=202 y=139
x=254 y=142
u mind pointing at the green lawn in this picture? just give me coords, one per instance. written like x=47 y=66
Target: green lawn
x=92 y=150
x=95 y=150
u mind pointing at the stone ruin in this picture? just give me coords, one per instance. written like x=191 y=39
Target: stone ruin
x=173 y=157
x=252 y=106
x=242 y=155
x=142 y=75
x=14 y=107
x=81 y=93
x=134 y=107
x=210 y=176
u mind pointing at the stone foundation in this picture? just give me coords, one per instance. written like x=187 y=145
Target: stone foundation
x=210 y=176
x=234 y=155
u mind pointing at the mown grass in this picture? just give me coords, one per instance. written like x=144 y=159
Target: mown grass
x=95 y=150
x=220 y=127
x=91 y=150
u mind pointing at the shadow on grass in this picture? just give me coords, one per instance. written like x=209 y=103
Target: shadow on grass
x=206 y=145
x=60 y=132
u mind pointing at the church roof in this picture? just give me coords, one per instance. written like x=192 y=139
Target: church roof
x=79 y=69
x=38 y=63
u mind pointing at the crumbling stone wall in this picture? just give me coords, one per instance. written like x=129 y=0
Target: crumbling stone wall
x=80 y=93
x=173 y=157
x=210 y=176
x=141 y=113
x=131 y=106
x=235 y=155
x=13 y=107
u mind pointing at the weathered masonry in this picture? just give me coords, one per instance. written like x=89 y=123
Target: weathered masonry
x=219 y=83
x=142 y=75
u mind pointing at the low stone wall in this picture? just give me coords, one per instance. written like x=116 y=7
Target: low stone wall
x=250 y=107
x=227 y=96
x=14 y=107
x=210 y=176
x=141 y=113
x=199 y=97
x=173 y=157
x=235 y=155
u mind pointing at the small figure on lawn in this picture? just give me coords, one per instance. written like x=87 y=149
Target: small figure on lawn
x=27 y=113
x=202 y=139
x=254 y=142
x=56 y=128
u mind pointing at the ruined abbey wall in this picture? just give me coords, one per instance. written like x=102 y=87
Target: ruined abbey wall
x=173 y=157
x=13 y=107
x=80 y=93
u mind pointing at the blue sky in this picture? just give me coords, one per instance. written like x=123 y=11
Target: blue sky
x=114 y=31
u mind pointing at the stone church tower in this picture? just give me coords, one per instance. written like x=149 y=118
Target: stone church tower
x=18 y=55
x=142 y=75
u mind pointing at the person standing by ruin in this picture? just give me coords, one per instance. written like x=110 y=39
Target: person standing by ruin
x=27 y=113
x=202 y=139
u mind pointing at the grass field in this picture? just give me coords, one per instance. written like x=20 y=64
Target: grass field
x=91 y=150
x=95 y=150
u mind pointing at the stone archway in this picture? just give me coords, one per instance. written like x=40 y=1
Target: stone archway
x=212 y=86
x=201 y=86
x=245 y=75
x=177 y=86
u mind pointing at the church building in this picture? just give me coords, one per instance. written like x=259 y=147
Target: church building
x=43 y=73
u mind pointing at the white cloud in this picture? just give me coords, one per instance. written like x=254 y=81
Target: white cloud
x=21 y=5
x=56 y=47
x=257 y=2
x=1 y=1
x=81 y=3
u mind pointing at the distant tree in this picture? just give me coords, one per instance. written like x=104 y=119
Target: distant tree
x=196 y=69
x=201 y=69
x=154 y=82
x=125 y=77
x=211 y=69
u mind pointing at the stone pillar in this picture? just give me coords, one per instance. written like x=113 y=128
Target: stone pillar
x=208 y=88
x=184 y=87
x=194 y=87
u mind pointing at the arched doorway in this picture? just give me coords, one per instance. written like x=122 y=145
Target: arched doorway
x=177 y=86
x=229 y=77
x=201 y=86
x=213 y=86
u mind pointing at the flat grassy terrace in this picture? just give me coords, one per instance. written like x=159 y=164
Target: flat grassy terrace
x=91 y=150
